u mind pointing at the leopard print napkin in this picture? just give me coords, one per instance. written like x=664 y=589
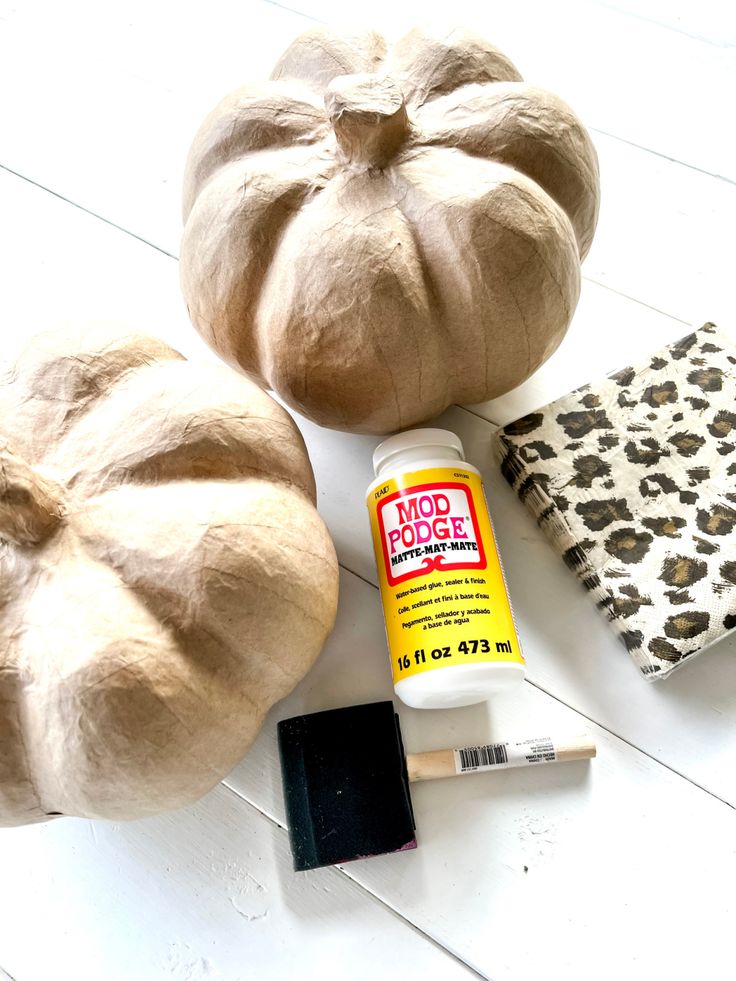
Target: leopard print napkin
x=633 y=479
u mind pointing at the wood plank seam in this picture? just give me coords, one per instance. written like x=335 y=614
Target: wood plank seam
x=628 y=742
x=657 y=23
x=338 y=870
x=428 y=936
x=582 y=714
x=627 y=296
x=662 y=156
x=299 y=13
x=87 y=211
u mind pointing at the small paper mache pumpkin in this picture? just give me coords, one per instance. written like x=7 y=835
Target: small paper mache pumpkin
x=164 y=575
x=379 y=232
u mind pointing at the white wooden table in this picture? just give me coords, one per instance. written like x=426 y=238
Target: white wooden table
x=624 y=868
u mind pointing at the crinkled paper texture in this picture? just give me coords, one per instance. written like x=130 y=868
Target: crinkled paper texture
x=633 y=479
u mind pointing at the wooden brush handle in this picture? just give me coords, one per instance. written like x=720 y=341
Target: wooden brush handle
x=496 y=756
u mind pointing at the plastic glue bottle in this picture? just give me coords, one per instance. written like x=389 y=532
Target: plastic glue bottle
x=449 y=625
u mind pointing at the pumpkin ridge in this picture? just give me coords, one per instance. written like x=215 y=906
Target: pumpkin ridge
x=522 y=317
x=528 y=196
x=384 y=360
x=41 y=770
x=512 y=279
x=160 y=761
x=261 y=332
x=431 y=288
x=28 y=783
x=26 y=391
x=446 y=47
x=322 y=558
x=222 y=139
x=344 y=68
x=255 y=155
x=505 y=108
x=416 y=222
x=307 y=376
x=483 y=336
x=221 y=645
x=425 y=93
x=394 y=388
x=507 y=181
x=485 y=153
x=586 y=172
x=287 y=602
x=329 y=44
x=111 y=674
x=313 y=151
x=146 y=470
x=187 y=750
x=254 y=472
x=187 y=636
x=193 y=441
x=585 y=240
x=147 y=592
x=251 y=280
x=31 y=506
x=363 y=218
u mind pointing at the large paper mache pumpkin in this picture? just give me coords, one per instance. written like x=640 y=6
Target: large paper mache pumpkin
x=378 y=232
x=164 y=575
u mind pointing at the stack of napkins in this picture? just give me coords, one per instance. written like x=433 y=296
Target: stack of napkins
x=633 y=479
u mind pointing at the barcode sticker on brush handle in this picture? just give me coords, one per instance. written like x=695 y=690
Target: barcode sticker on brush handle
x=499 y=755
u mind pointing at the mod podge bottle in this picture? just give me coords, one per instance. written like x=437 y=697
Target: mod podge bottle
x=449 y=625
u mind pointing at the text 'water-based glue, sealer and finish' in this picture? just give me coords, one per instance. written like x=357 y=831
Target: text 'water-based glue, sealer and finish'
x=450 y=630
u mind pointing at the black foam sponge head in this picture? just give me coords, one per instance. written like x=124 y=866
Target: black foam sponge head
x=345 y=785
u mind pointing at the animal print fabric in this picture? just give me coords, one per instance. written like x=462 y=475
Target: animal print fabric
x=633 y=479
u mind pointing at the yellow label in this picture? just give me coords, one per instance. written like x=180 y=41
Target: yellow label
x=442 y=586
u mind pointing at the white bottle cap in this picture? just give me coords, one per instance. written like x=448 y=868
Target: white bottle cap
x=415 y=439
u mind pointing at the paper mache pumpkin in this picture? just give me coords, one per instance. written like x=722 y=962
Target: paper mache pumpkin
x=164 y=575
x=379 y=232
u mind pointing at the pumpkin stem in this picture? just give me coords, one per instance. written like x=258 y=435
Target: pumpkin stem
x=30 y=505
x=368 y=116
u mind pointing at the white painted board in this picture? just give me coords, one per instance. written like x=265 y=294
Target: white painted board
x=529 y=873
x=203 y=894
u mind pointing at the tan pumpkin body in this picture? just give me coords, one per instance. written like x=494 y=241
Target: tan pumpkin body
x=378 y=233
x=164 y=575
